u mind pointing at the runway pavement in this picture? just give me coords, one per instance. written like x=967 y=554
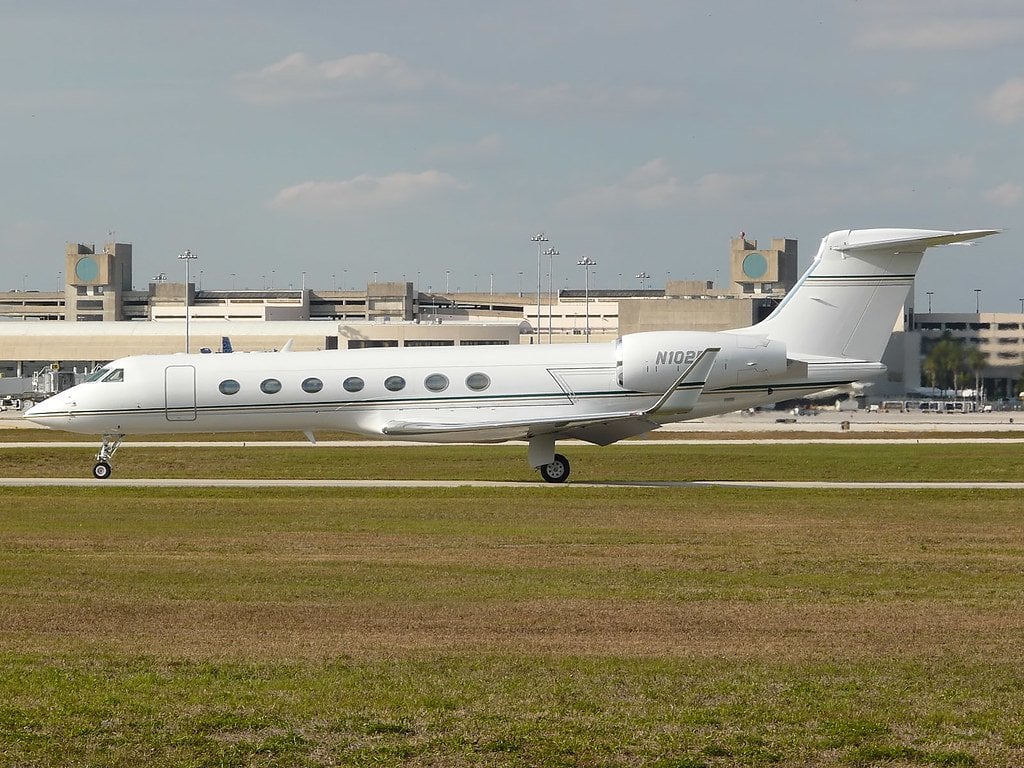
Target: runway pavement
x=411 y=444
x=88 y=482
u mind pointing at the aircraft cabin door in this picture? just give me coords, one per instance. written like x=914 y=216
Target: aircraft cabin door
x=180 y=393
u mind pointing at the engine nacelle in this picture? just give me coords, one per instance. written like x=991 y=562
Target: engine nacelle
x=654 y=361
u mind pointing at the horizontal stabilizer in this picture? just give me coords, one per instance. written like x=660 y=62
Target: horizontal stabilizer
x=915 y=242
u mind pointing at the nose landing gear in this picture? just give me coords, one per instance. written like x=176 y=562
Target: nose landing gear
x=101 y=469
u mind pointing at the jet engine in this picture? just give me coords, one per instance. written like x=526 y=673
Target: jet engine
x=654 y=361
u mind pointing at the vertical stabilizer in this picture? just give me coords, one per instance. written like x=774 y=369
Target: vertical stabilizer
x=846 y=304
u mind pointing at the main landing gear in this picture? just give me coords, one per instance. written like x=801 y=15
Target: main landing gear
x=101 y=469
x=554 y=467
x=557 y=471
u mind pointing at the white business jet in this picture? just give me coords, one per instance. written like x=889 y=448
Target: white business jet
x=829 y=331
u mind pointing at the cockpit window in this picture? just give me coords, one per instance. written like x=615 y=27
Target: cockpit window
x=98 y=374
x=115 y=375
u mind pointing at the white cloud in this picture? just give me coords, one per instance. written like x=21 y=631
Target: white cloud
x=297 y=77
x=379 y=78
x=647 y=187
x=1006 y=103
x=483 y=148
x=722 y=187
x=940 y=34
x=827 y=150
x=565 y=96
x=897 y=87
x=960 y=166
x=1007 y=195
x=653 y=186
x=363 y=193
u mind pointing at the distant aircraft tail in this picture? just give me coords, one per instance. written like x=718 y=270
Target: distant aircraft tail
x=225 y=344
x=846 y=304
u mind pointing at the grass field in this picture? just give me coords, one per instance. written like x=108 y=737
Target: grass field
x=596 y=626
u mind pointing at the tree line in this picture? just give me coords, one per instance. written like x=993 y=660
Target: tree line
x=949 y=360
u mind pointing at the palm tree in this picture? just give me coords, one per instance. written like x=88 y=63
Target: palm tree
x=976 y=360
x=931 y=368
x=946 y=359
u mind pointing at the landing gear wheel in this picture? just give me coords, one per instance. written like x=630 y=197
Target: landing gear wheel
x=557 y=471
x=111 y=442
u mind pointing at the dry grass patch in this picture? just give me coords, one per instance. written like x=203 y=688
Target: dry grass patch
x=603 y=627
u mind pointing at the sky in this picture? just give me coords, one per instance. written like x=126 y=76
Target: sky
x=431 y=140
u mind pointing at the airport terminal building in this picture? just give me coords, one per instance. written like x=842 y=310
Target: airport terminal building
x=99 y=316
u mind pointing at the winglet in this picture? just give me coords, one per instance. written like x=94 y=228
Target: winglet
x=696 y=372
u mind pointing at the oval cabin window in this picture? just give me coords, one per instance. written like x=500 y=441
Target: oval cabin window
x=353 y=384
x=478 y=381
x=394 y=383
x=312 y=385
x=270 y=386
x=229 y=387
x=436 y=382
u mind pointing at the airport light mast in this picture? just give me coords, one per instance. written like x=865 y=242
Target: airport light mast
x=550 y=253
x=538 y=239
x=187 y=256
x=587 y=263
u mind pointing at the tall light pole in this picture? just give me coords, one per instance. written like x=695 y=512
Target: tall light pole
x=538 y=239
x=587 y=262
x=977 y=301
x=1022 y=306
x=930 y=293
x=187 y=256
x=641 y=277
x=550 y=253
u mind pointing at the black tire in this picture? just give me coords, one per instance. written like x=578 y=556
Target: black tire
x=101 y=470
x=557 y=471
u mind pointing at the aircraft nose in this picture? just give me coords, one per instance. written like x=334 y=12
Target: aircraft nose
x=49 y=411
x=37 y=411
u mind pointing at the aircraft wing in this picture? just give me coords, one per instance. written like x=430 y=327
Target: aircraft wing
x=601 y=429
x=598 y=428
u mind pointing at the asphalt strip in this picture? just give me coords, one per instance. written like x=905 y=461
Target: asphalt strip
x=85 y=482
